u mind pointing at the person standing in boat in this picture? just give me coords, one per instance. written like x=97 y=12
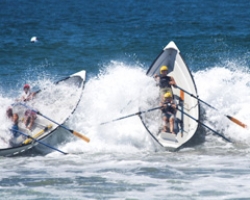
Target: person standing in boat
x=27 y=94
x=164 y=81
x=29 y=115
x=169 y=110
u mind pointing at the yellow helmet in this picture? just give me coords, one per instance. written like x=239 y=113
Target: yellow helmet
x=167 y=95
x=164 y=68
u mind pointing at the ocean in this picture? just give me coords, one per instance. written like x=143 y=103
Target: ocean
x=116 y=42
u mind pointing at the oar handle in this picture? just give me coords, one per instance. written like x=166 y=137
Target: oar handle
x=191 y=94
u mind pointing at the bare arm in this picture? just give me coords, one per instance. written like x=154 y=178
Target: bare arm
x=172 y=81
x=157 y=79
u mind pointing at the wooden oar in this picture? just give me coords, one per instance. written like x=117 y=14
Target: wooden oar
x=198 y=121
x=131 y=115
x=236 y=121
x=27 y=141
x=38 y=141
x=72 y=131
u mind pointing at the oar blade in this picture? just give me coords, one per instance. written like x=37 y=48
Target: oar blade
x=83 y=137
x=236 y=121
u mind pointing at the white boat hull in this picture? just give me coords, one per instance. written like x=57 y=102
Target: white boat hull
x=170 y=56
x=54 y=104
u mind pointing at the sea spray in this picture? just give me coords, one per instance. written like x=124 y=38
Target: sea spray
x=227 y=89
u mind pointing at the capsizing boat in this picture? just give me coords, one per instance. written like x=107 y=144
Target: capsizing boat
x=58 y=101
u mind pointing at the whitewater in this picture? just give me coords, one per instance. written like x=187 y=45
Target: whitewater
x=121 y=159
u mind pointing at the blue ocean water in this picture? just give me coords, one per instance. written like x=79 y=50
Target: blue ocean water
x=115 y=42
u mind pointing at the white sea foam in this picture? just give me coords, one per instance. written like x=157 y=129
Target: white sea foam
x=122 y=154
x=226 y=88
x=119 y=89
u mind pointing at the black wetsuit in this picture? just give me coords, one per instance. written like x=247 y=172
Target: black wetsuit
x=164 y=81
x=168 y=109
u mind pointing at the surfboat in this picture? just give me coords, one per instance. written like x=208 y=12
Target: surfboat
x=187 y=116
x=57 y=101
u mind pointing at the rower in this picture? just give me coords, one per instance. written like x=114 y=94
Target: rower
x=27 y=94
x=164 y=81
x=16 y=138
x=29 y=115
x=169 y=110
x=14 y=118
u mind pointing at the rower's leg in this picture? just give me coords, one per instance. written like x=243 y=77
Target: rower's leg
x=165 y=127
x=171 y=122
